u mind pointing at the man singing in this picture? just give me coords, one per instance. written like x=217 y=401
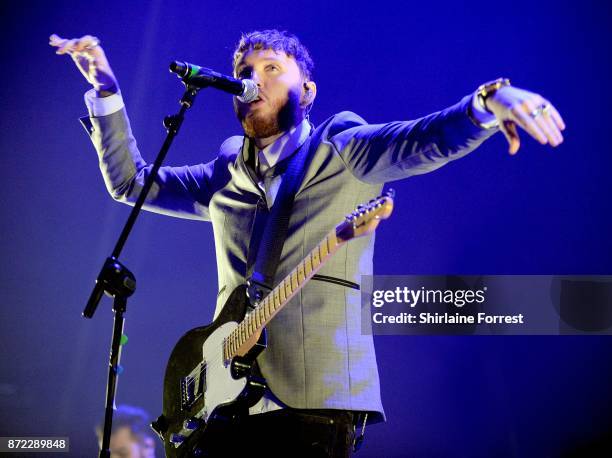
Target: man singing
x=320 y=370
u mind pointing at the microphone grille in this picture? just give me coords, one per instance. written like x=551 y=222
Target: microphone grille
x=250 y=91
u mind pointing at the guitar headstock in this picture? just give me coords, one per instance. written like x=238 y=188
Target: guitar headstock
x=365 y=218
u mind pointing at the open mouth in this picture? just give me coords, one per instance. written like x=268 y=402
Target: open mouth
x=255 y=103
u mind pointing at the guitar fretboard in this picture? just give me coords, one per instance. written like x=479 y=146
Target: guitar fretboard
x=280 y=295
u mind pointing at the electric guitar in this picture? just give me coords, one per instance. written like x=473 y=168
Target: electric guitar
x=209 y=378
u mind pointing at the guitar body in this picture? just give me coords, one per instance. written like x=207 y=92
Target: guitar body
x=202 y=392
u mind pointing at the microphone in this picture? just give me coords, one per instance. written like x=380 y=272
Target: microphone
x=193 y=75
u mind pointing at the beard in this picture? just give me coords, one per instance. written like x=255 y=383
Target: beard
x=283 y=116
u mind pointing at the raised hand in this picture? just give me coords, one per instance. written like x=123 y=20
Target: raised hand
x=532 y=112
x=90 y=59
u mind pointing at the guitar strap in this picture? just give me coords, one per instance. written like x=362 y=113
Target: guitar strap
x=260 y=274
x=267 y=246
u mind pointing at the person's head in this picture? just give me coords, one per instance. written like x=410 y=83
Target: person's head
x=131 y=436
x=282 y=68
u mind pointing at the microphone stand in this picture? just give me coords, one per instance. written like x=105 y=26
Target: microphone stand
x=116 y=281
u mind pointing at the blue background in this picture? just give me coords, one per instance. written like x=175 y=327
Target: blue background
x=544 y=211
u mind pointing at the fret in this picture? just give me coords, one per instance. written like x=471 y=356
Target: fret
x=267 y=307
x=300 y=273
x=323 y=249
x=294 y=280
x=245 y=331
x=315 y=258
x=258 y=316
x=308 y=265
x=332 y=241
x=275 y=300
x=281 y=292
x=287 y=286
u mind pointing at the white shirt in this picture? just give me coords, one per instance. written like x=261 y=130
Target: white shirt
x=275 y=152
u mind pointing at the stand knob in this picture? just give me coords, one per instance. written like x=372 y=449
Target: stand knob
x=177 y=439
x=192 y=424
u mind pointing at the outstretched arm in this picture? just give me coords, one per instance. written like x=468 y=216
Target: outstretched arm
x=514 y=107
x=384 y=152
x=178 y=191
x=378 y=153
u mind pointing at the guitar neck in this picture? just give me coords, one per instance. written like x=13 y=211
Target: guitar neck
x=261 y=315
x=362 y=221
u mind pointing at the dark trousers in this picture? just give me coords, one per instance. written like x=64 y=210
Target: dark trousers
x=287 y=432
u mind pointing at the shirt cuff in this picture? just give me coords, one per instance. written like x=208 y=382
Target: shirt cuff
x=103 y=106
x=485 y=119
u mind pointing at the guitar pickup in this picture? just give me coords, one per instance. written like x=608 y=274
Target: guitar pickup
x=193 y=387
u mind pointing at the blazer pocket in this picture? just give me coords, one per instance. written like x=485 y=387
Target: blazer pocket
x=336 y=281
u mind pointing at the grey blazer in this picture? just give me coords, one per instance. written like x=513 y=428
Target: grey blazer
x=317 y=356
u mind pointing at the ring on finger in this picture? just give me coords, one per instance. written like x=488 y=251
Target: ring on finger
x=542 y=109
x=95 y=41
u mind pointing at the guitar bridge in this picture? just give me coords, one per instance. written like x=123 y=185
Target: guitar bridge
x=193 y=387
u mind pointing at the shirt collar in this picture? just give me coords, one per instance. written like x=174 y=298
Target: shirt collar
x=284 y=146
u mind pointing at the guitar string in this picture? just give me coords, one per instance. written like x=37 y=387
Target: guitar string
x=329 y=241
x=322 y=259
x=287 y=279
x=220 y=356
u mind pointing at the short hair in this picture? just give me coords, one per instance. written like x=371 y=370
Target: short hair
x=135 y=418
x=278 y=41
